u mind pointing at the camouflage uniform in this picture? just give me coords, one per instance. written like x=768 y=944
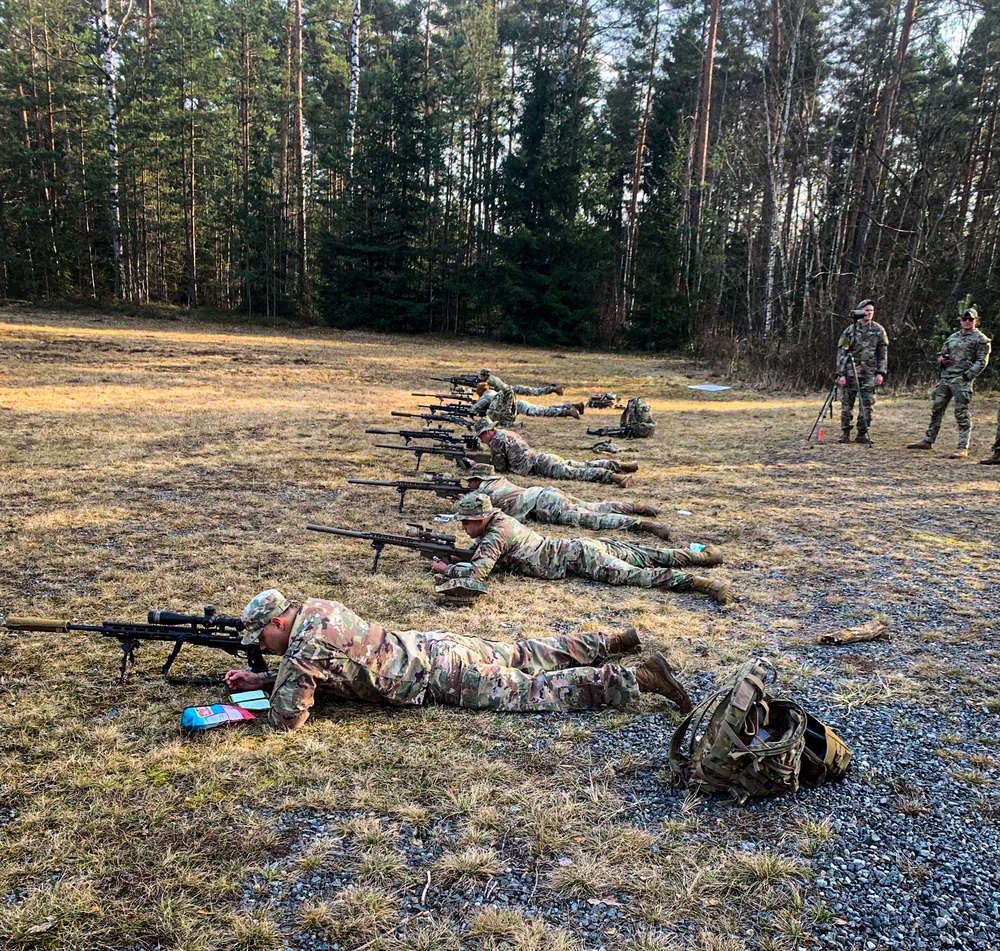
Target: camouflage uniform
x=510 y=453
x=869 y=346
x=486 y=406
x=969 y=353
x=354 y=659
x=494 y=403
x=495 y=383
x=509 y=546
x=551 y=507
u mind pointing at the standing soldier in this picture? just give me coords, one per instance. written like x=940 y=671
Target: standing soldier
x=506 y=544
x=866 y=344
x=549 y=506
x=510 y=453
x=963 y=357
x=323 y=644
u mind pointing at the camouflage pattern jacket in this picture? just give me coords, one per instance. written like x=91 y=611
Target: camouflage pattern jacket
x=509 y=546
x=969 y=354
x=511 y=499
x=510 y=453
x=868 y=345
x=352 y=658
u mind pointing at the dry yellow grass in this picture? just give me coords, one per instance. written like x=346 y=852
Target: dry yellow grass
x=169 y=464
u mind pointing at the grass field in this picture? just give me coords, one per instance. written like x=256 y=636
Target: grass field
x=170 y=464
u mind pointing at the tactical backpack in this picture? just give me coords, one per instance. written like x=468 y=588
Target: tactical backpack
x=743 y=742
x=637 y=419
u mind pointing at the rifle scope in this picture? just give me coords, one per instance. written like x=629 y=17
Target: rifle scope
x=208 y=619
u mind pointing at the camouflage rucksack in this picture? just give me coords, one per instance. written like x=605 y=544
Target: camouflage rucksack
x=637 y=419
x=743 y=742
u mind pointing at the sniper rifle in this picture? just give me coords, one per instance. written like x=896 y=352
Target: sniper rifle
x=436 y=418
x=444 y=487
x=205 y=630
x=462 y=397
x=463 y=379
x=429 y=543
x=452 y=409
x=446 y=436
x=449 y=452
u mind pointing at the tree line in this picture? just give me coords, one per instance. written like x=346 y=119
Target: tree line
x=641 y=173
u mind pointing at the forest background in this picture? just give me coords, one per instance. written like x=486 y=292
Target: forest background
x=646 y=174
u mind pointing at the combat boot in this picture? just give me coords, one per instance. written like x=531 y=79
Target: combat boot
x=623 y=642
x=717 y=590
x=923 y=444
x=628 y=466
x=659 y=529
x=656 y=676
x=959 y=454
x=620 y=479
x=580 y=407
x=645 y=509
x=708 y=557
x=572 y=412
x=993 y=460
x=861 y=437
x=845 y=435
x=555 y=388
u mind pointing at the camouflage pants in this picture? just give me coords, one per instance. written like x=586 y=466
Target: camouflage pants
x=622 y=563
x=996 y=442
x=549 y=674
x=848 y=395
x=532 y=409
x=553 y=508
x=944 y=392
x=531 y=391
x=555 y=467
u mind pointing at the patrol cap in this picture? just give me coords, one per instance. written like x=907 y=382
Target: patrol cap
x=473 y=506
x=483 y=425
x=971 y=312
x=480 y=470
x=865 y=303
x=259 y=612
x=485 y=372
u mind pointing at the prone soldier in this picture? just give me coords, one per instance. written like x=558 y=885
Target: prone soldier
x=550 y=506
x=503 y=542
x=510 y=453
x=323 y=644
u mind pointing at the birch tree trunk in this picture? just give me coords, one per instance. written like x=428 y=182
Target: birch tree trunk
x=106 y=47
x=353 y=42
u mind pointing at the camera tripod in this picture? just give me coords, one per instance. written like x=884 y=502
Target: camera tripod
x=827 y=407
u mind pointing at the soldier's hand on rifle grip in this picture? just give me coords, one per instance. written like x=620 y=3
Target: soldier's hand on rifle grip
x=243 y=680
x=841 y=380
